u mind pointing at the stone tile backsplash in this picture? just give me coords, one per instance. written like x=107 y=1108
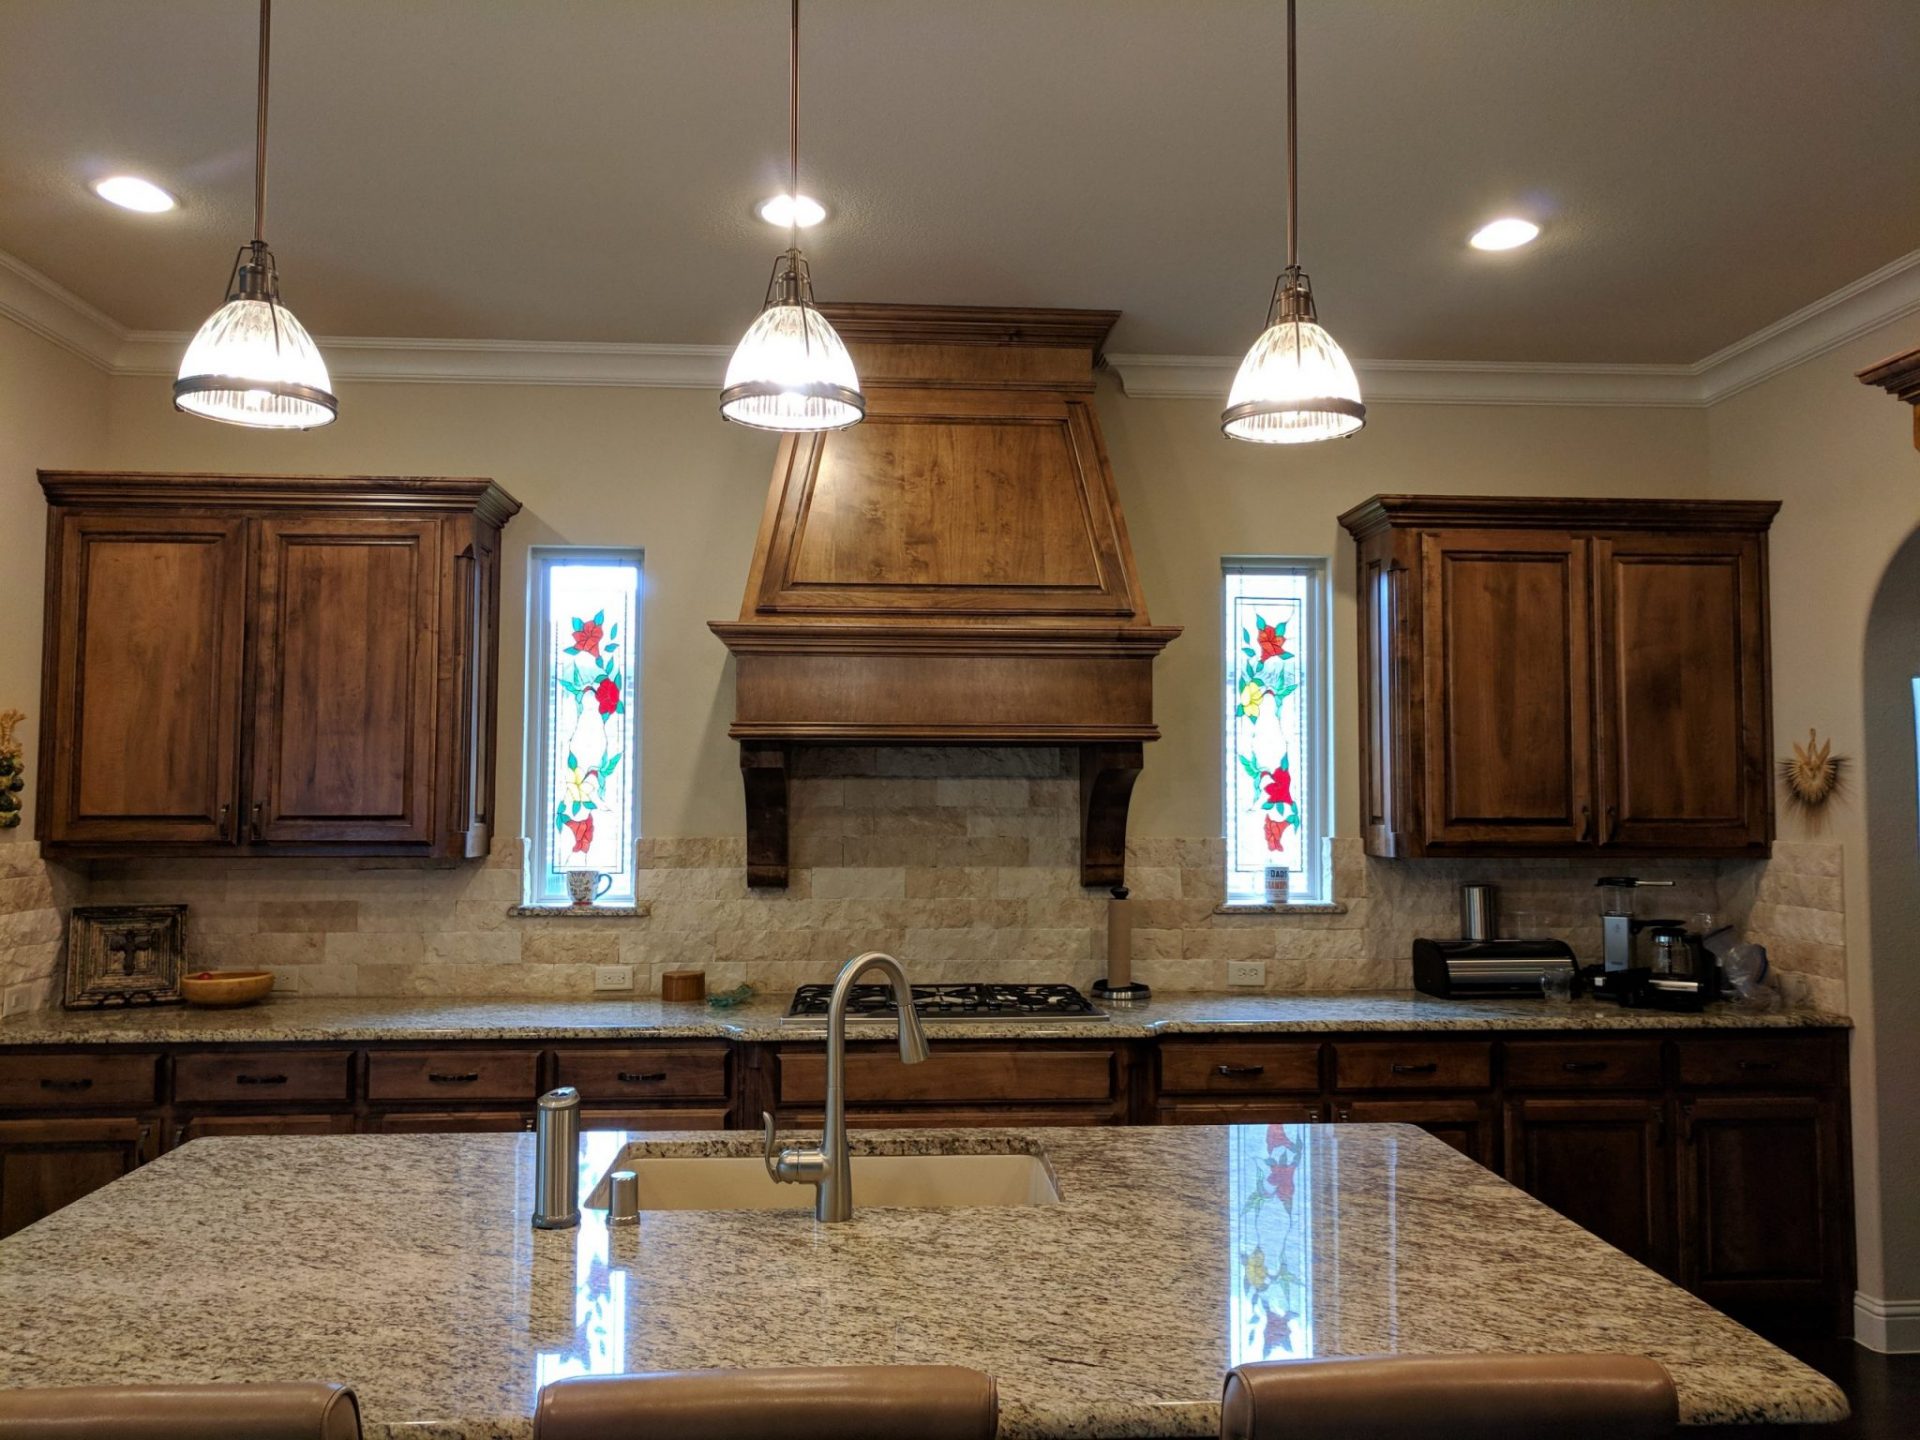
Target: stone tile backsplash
x=34 y=896
x=961 y=861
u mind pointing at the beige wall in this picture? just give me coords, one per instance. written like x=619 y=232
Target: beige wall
x=659 y=469
x=1841 y=457
x=53 y=409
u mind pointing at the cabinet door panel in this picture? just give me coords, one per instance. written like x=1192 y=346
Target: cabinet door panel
x=1508 y=690
x=1465 y=1124
x=1600 y=1163
x=1761 y=1198
x=1684 y=740
x=347 y=615
x=45 y=1164
x=141 y=739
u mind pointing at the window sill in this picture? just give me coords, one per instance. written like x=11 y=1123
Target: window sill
x=581 y=912
x=1297 y=907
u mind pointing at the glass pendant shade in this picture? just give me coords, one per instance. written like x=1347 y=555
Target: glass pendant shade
x=1296 y=385
x=791 y=371
x=253 y=363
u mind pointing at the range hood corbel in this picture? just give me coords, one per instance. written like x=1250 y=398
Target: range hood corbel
x=953 y=571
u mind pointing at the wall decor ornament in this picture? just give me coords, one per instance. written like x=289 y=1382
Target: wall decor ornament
x=13 y=769
x=1813 y=779
x=125 y=955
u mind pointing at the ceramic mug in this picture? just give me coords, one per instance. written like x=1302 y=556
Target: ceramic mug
x=1279 y=881
x=586 y=886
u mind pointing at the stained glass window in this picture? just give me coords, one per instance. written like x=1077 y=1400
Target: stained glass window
x=583 y=810
x=1276 y=747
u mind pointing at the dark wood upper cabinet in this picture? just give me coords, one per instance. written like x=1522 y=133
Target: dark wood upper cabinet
x=1560 y=677
x=270 y=664
x=143 y=671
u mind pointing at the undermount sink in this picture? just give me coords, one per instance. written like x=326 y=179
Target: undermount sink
x=905 y=1182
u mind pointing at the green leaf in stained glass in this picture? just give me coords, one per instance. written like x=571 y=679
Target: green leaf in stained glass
x=599 y=617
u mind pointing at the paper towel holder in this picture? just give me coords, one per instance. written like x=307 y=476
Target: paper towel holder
x=1118 y=988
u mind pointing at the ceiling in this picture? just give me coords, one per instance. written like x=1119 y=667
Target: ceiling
x=583 y=170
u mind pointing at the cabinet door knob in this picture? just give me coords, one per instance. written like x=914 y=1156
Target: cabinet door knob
x=255 y=827
x=1425 y=1069
x=1237 y=1072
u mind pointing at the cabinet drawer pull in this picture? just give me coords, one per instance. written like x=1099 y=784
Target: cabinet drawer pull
x=635 y=1077
x=1759 y=1064
x=84 y=1082
x=1236 y=1072
x=1583 y=1067
x=259 y=1079
x=1427 y=1069
x=464 y=1078
x=1343 y=1116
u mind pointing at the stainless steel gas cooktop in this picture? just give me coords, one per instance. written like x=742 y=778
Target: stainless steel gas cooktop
x=950 y=1002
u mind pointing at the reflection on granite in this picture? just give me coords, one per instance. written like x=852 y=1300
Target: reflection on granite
x=405 y=1266
x=355 y=1020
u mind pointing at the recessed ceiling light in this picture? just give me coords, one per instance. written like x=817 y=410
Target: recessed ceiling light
x=130 y=192
x=780 y=210
x=1507 y=233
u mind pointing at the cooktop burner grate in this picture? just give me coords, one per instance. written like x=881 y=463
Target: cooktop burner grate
x=951 y=1002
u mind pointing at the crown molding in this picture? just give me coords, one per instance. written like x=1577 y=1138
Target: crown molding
x=1431 y=382
x=472 y=362
x=1890 y=293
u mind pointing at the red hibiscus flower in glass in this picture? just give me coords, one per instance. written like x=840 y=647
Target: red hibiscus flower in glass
x=582 y=832
x=1273 y=645
x=1280 y=785
x=586 y=639
x=1276 y=833
x=607 y=695
x=1280 y=1181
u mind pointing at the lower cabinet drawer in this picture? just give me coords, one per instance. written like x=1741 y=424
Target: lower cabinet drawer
x=452 y=1077
x=201 y=1127
x=1277 y=1111
x=990 y=1075
x=957 y=1117
x=452 y=1122
x=697 y=1117
x=644 y=1074
x=254 y=1077
x=59 y=1082
x=1192 y=1067
x=1582 y=1064
x=1769 y=1061
x=1413 y=1065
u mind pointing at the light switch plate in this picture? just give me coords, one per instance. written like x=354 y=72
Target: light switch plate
x=1246 y=972
x=613 y=977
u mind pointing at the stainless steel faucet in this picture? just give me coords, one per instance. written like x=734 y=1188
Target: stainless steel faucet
x=828 y=1169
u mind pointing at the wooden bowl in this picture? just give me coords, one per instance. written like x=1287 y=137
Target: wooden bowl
x=226 y=987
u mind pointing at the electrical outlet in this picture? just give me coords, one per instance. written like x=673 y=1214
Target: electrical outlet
x=1246 y=972
x=613 y=977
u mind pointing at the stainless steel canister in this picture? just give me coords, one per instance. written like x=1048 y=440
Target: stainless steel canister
x=556 y=1160
x=1479 y=912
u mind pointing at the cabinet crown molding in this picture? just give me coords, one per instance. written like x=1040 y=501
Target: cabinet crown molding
x=456 y=493
x=1559 y=512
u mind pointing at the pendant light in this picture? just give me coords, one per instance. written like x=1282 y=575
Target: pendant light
x=1296 y=384
x=252 y=363
x=791 y=371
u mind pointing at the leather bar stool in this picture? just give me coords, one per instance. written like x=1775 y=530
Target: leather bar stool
x=853 y=1402
x=1450 y=1397
x=308 y=1410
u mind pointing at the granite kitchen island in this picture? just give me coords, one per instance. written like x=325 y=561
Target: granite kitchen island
x=405 y=1266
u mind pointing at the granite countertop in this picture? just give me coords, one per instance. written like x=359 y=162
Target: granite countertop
x=405 y=1267
x=355 y=1020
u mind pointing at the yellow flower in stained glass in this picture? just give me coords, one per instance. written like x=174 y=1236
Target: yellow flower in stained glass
x=1255 y=1271
x=1250 y=697
x=578 y=786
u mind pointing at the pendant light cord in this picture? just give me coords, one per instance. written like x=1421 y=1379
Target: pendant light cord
x=260 y=130
x=1293 y=150
x=793 y=129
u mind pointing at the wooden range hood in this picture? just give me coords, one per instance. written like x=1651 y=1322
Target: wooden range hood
x=953 y=570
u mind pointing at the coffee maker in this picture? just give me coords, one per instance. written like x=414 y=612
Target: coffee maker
x=1620 y=926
